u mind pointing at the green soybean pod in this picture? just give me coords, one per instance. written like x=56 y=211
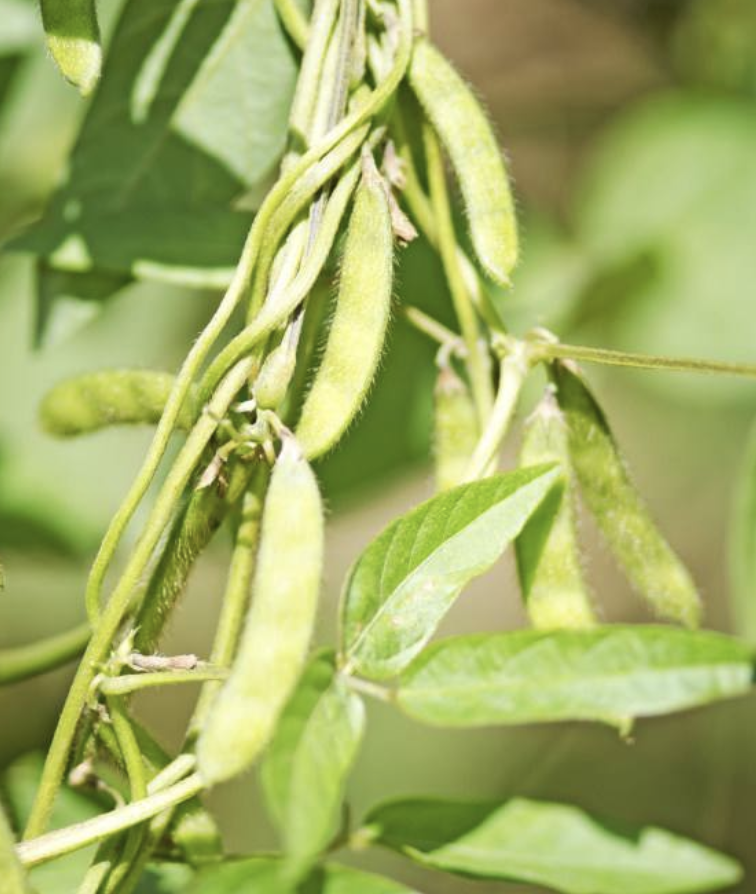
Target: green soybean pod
x=456 y=429
x=73 y=38
x=547 y=550
x=358 y=329
x=276 y=373
x=12 y=879
x=467 y=136
x=92 y=401
x=649 y=562
x=276 y=637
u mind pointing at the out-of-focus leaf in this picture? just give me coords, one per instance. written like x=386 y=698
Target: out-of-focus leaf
x=19 y=784
x=21 y=29
x=674 y=183
x=743 y=547
x=12 y=876
x=267 y=876
x=555 y=845
x=408 y=577
x=613 y=674
x=310 y=757
x=191 y=113
x=68 y=300
x=165 y=878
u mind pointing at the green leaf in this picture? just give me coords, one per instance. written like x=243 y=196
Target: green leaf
x=11 y=874
x=19 y=785
x=554 y=845
x=267 y=876
x=673 y=184
x=191 y=114
x=612 y=674
x=308 y=762
x=406 y=580
x=743 y=547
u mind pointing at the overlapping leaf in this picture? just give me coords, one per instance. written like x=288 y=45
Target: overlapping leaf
x=309 y=759
x=406 y=580
x=613 y=675
x=266 y=876
x=554 y=845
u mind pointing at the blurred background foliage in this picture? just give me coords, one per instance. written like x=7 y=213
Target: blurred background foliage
x=631 y=128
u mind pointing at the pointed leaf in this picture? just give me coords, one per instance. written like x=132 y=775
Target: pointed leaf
x=406 y=580
x=612 y=674
x=554 y=845
x=308 y=762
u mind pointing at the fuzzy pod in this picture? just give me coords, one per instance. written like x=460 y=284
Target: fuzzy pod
x=547 y=550
x=92 y=401
x=650 y=563
x=358 y=329
x=456 y=429
x=275 y=375
x=73 y=38
x=276 y=637
x=467 y=135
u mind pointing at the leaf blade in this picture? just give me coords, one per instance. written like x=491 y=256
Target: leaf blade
x=612 y=675
x=407 y=578
x=550 y=844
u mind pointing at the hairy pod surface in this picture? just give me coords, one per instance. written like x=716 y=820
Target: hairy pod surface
x=649 y=562
x=455 y=429
x=358 y=329
x=276 y=637
x=467 y=136
x=92 y=401
x=275 y=376
x=547 y=550
x=73 y=38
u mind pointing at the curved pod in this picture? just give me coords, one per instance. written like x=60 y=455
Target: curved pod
x=276 y=637
x=358 y=330
x=467 y=136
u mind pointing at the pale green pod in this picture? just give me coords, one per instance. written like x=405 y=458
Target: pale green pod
x=12 y=878
x=92 y=401
x=275 y=375
x=547 y=550
x=456 y=429
x=467 y=136
x=649 y=562
x=73 y=38
x=275 y=641
x=358 y=329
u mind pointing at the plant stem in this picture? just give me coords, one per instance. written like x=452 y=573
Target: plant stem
x=116 y=608
x=294 y=21
x=477 y=359
x=584 y=354
x=512 y=371
x=64 y=841
x=22 y=662
x=128 y=683
x=433 y=329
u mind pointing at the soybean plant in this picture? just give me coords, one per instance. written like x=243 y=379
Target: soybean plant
x=375 y=113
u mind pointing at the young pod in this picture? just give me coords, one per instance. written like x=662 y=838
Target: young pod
x=649 y=562
x=358 y=329
x=547 y=550
x=467 y=136
x=73 y=38
x=276 y=637
x=276 y=374
x=96 y=400
x=455 y=429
